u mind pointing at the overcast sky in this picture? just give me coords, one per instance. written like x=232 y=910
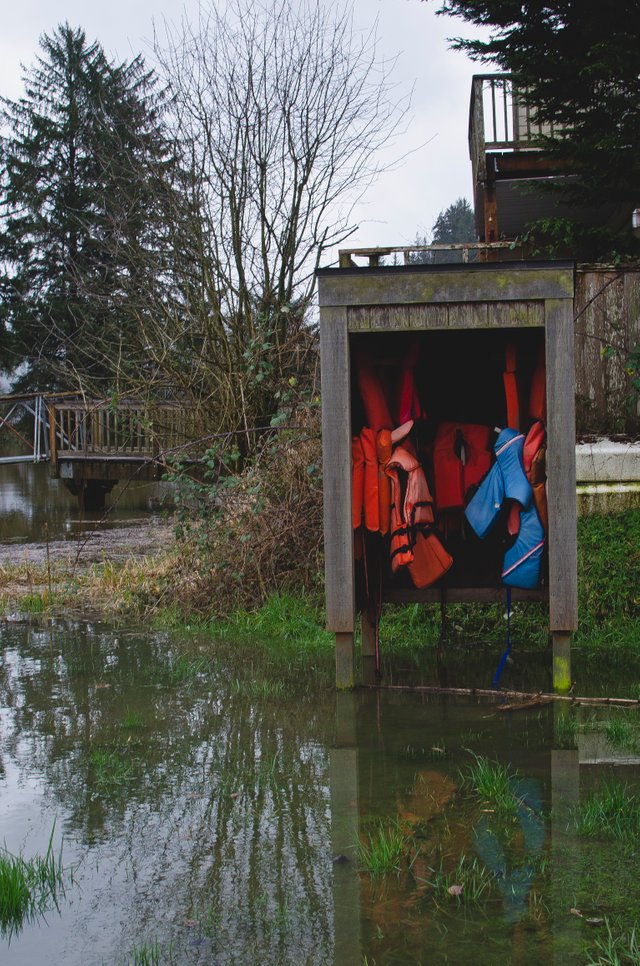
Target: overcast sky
x=402 y=202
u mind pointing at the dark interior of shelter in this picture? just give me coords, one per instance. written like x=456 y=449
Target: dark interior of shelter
x=460 y=400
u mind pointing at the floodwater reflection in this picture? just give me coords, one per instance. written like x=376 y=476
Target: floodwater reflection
x=211 y=797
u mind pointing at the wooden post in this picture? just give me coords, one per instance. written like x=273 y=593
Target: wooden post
x=490 y=212
x=368 y=638
x=343 y=782
x=561 y=488
x=565 y=796
x=336 y=457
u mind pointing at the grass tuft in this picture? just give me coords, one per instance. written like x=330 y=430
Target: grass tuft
x=467 y=883
x=613 y=812
x=492 y=783
x=384 y=849
x=614 y=949
x=132 y=721
x=28 y=887
x=110 y=768
x=620 y=733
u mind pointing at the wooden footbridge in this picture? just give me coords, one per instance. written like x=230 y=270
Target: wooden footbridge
x=91 y=444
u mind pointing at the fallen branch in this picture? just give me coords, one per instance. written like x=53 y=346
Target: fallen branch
x=520 y=699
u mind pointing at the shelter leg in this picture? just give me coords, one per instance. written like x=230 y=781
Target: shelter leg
x=345 y=661
x=561 y=642
x=344 y=786
x=368 y=634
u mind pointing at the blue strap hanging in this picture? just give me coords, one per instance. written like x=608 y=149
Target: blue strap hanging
x=503 y=660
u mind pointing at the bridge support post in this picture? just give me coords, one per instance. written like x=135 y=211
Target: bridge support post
x=92 y=494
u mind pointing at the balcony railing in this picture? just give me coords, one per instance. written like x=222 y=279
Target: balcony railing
x=500 y=120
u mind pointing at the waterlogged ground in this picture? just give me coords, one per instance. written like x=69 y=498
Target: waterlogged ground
x=216 y=802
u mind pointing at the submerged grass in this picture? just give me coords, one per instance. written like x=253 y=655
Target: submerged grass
x=617 y=948
x=612 y=812
x=491 y=782
x=110 y=768
x=28 y=887
x=469 y=882
x=384 y=849
x=151 y=954
x=132 y=720
x=620 y=733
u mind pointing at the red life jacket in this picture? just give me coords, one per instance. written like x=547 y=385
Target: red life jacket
x=461 y=457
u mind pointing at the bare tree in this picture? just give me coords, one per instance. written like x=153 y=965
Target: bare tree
x=279 y=110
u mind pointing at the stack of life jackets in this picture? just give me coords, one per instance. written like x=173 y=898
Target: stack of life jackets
x=390 y=495
x=389 y=488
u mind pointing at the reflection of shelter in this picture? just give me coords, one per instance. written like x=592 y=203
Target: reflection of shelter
x=462 y=318
x=390 y=759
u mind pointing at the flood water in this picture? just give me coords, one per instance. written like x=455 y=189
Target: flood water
x=30 y=499
x=210 y=797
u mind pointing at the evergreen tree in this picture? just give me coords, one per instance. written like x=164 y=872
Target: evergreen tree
x=77 y=206
x=453 y=225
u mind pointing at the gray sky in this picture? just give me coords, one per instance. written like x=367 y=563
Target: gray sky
x=402 y=202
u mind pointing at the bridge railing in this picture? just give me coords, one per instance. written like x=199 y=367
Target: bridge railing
x=129 y=430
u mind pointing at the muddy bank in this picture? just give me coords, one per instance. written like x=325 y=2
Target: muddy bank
x=139 y=538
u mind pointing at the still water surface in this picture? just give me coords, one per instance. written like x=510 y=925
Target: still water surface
x=29 y=499
x=210 y=797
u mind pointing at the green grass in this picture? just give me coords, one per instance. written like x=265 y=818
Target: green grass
x=151 y=954
x=180 y=669
x=612 y=812
x=28 y=887
x=616 y=948
x=111 y=768
x=491 y=782
x=469 y=882
x=132 y=721
x=296 y=620
x=620 y=733
x=259 y=689
x=383 y=850
x=565 y=730
x=609 y=582
x=34 y=603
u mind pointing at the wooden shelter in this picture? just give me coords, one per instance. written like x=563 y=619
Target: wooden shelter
x=461 y=316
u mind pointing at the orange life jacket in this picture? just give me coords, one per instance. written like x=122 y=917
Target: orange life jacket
x=357 y=482
x=384 y=449
x=371 y=497
x=412 y=547
x=538 y=390
x=461 y=457
x=511 y=387
x=408 y=400
x=374 y=401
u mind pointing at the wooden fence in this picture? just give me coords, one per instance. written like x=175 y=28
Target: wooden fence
x=607 y=331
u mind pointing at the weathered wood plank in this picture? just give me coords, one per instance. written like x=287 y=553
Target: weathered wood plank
x=561 y=467
x=336 y=450
x=457 y=315
x=424 y=284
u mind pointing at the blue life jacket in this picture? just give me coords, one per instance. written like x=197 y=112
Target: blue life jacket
x=507 y=481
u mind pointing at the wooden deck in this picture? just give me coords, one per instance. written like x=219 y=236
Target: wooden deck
x=507 y=151
x=94 y=443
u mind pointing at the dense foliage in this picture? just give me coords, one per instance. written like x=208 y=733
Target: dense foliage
x=579 y=70
x=75 y=210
